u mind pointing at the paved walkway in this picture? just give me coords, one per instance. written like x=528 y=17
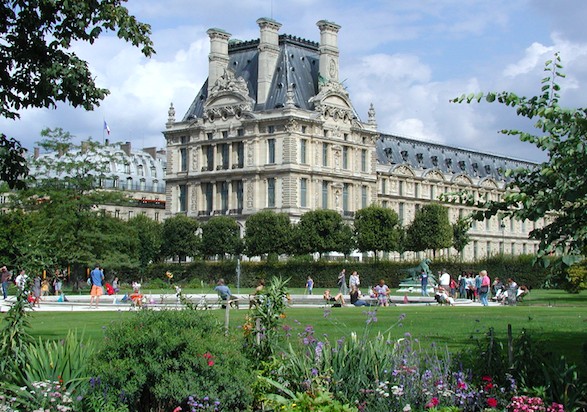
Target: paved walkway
x=169 y=301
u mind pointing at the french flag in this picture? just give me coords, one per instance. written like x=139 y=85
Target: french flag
x=106 y=128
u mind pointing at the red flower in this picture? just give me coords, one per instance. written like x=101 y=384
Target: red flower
x=210 y=363
x=487 y=379
x=492 y=402
x=488 y=387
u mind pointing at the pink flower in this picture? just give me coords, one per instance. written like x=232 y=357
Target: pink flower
x=177 y=409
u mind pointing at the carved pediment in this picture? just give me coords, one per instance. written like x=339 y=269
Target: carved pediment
x=333 y=101
x=228 y=97
x=434 y=175
x=402 y=170
x=462 y=179
x=489 y=183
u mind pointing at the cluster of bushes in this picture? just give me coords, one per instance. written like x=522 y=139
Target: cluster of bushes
x=325 y=273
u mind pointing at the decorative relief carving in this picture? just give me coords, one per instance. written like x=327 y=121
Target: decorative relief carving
x=194 y=198
x=250 y=195
x=250 y=154
x=291 y=126
x=228 y=82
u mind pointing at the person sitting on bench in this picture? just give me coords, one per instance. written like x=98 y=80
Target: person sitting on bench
x=225 y=294
x=337 y=301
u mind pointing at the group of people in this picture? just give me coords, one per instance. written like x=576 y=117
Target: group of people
x=473 y=286
x=379 y=292
x=37 y=290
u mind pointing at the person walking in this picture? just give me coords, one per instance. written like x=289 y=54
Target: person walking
x=97 y=280
x=309 y=285
x=6 y=275
x=341 y=282
x=424 y=282
x=354 y=280
x=484 y=288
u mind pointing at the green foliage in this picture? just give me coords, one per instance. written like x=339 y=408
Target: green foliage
x=430 y=229
x=13 y=164
x=267 y=232
x=576 y=279
x=149 y=236
x=220 y=236
x=159 y=358
x=321 y=231
x=555 y=189
x=15 y=336
x=180 y=237
x=460 y=234
x=534 y=365
x=377 y=229
x=264 y=319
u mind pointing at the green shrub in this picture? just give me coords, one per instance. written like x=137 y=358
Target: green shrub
x=156 y=359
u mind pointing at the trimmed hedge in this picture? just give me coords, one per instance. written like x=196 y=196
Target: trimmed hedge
x=325 y=273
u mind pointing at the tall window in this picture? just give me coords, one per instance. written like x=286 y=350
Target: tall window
x=183 y=198
x=345 y=157
x=401 y=187
x=209 y=197
x=183 y=159
x=383 y=186
x=239 y=194
x=363 y=160
x=324 y=195
x=324 y=154
x=345 y=197
x=401 y=212
x=303 y=150
x=224 y=196
x=210 y=157
x=271 y=192
x=364 y=192
x=270 y=150
x=240 y=154
x=303 y=192
x=224 y=150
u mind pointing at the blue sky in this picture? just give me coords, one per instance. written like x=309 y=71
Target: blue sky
x=408 y=58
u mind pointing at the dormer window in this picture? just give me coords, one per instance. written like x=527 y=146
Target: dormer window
x=487 y=169
x=434 y=160
x=404 y=154
x=419 y=158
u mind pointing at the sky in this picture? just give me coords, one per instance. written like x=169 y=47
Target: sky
x=406 y=57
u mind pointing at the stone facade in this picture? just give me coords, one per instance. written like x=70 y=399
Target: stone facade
x=273 y=128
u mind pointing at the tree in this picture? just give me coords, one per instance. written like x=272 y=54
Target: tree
x=460 y=234
x=149 y=236
x=180 y=237
x=267 y=232
x=37 y=70
x=430 y=229
x=220 y=236
x=61 y=204
x=556 y=189
x=377 y=229
x=322 y=231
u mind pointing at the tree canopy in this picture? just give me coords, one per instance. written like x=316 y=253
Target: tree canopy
x=555 y=189
x=37 y=69
x=377 y=229
x=430 y=229
x=267 y=232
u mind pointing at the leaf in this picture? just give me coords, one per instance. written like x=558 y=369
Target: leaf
x=490 y=97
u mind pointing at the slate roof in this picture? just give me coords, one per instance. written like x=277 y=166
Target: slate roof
x=297 y=65
x=420 y=155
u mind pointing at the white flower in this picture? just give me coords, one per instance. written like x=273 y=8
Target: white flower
x=407 y=408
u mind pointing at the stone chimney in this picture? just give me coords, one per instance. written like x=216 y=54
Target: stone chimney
x=152 y=151
x=36 y=152
x=218 y=57
x=328 y=68
x=268 y=54
x=126 y=148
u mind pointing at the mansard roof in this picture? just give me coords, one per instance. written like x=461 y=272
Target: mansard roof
x=421 y=155
x=297 y=66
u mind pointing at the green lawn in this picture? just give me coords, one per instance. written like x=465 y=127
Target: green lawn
x=554 y=316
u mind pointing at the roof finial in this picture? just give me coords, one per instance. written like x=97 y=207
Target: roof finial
x=371 y=114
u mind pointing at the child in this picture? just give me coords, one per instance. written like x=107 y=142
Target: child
x=309 y=285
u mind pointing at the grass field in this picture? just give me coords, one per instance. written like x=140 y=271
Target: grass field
x=553 y=316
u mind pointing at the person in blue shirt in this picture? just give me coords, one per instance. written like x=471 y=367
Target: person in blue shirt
x=97 y=280
x=225 y=293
